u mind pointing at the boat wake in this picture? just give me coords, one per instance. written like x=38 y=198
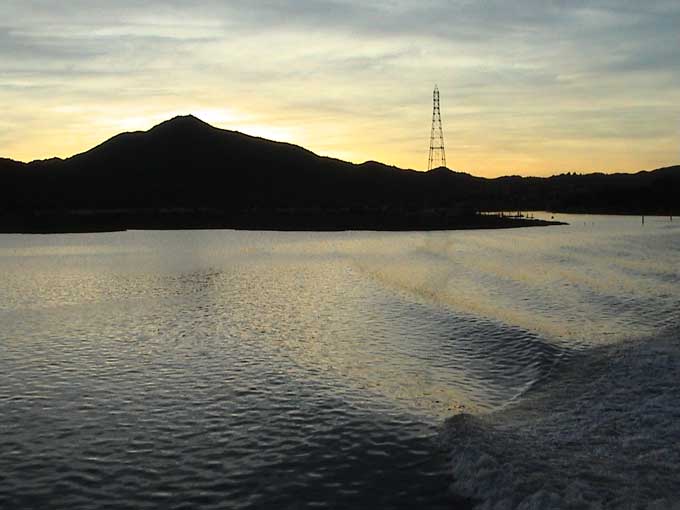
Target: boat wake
x=602 y=432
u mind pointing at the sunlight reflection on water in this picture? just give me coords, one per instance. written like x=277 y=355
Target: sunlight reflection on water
x=265 y=368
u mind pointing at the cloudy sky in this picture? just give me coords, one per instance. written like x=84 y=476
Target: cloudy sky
x=532 y=87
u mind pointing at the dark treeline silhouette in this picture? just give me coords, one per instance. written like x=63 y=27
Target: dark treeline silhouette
x=186 y=173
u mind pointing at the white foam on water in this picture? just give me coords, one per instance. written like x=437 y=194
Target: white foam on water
x=602 y=433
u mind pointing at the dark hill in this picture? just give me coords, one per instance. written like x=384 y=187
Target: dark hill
x=185 y=162
x=214 y=175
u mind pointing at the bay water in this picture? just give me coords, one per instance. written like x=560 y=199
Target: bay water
x=233 y=369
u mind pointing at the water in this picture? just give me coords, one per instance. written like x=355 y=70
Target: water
x=226 y=369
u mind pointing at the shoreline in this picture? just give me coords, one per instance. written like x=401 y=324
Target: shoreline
x=76 y=222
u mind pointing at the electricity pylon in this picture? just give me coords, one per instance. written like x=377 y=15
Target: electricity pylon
x=437 y=154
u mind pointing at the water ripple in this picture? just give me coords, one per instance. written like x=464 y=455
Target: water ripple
x=267 y=370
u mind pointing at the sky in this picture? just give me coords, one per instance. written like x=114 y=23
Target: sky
x=529 y=87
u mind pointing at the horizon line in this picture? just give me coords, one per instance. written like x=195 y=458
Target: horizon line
x=191 y=115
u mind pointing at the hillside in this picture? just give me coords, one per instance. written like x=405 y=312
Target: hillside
x=185 y=166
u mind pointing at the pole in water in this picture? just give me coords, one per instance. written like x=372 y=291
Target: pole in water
x=643 y=220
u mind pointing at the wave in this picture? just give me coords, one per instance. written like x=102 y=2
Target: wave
x=602 y=432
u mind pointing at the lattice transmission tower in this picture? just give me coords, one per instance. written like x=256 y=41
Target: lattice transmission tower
x=437 y=153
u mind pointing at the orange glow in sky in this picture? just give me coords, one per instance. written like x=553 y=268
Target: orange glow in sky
x=527 y=87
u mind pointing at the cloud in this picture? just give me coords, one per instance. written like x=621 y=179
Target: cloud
x=351 y=77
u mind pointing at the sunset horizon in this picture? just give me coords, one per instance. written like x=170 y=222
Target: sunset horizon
x=280 y=135
x=340 y=254
x=528 y=89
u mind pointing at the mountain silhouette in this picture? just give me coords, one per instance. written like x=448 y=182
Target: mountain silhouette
x=186 y=167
